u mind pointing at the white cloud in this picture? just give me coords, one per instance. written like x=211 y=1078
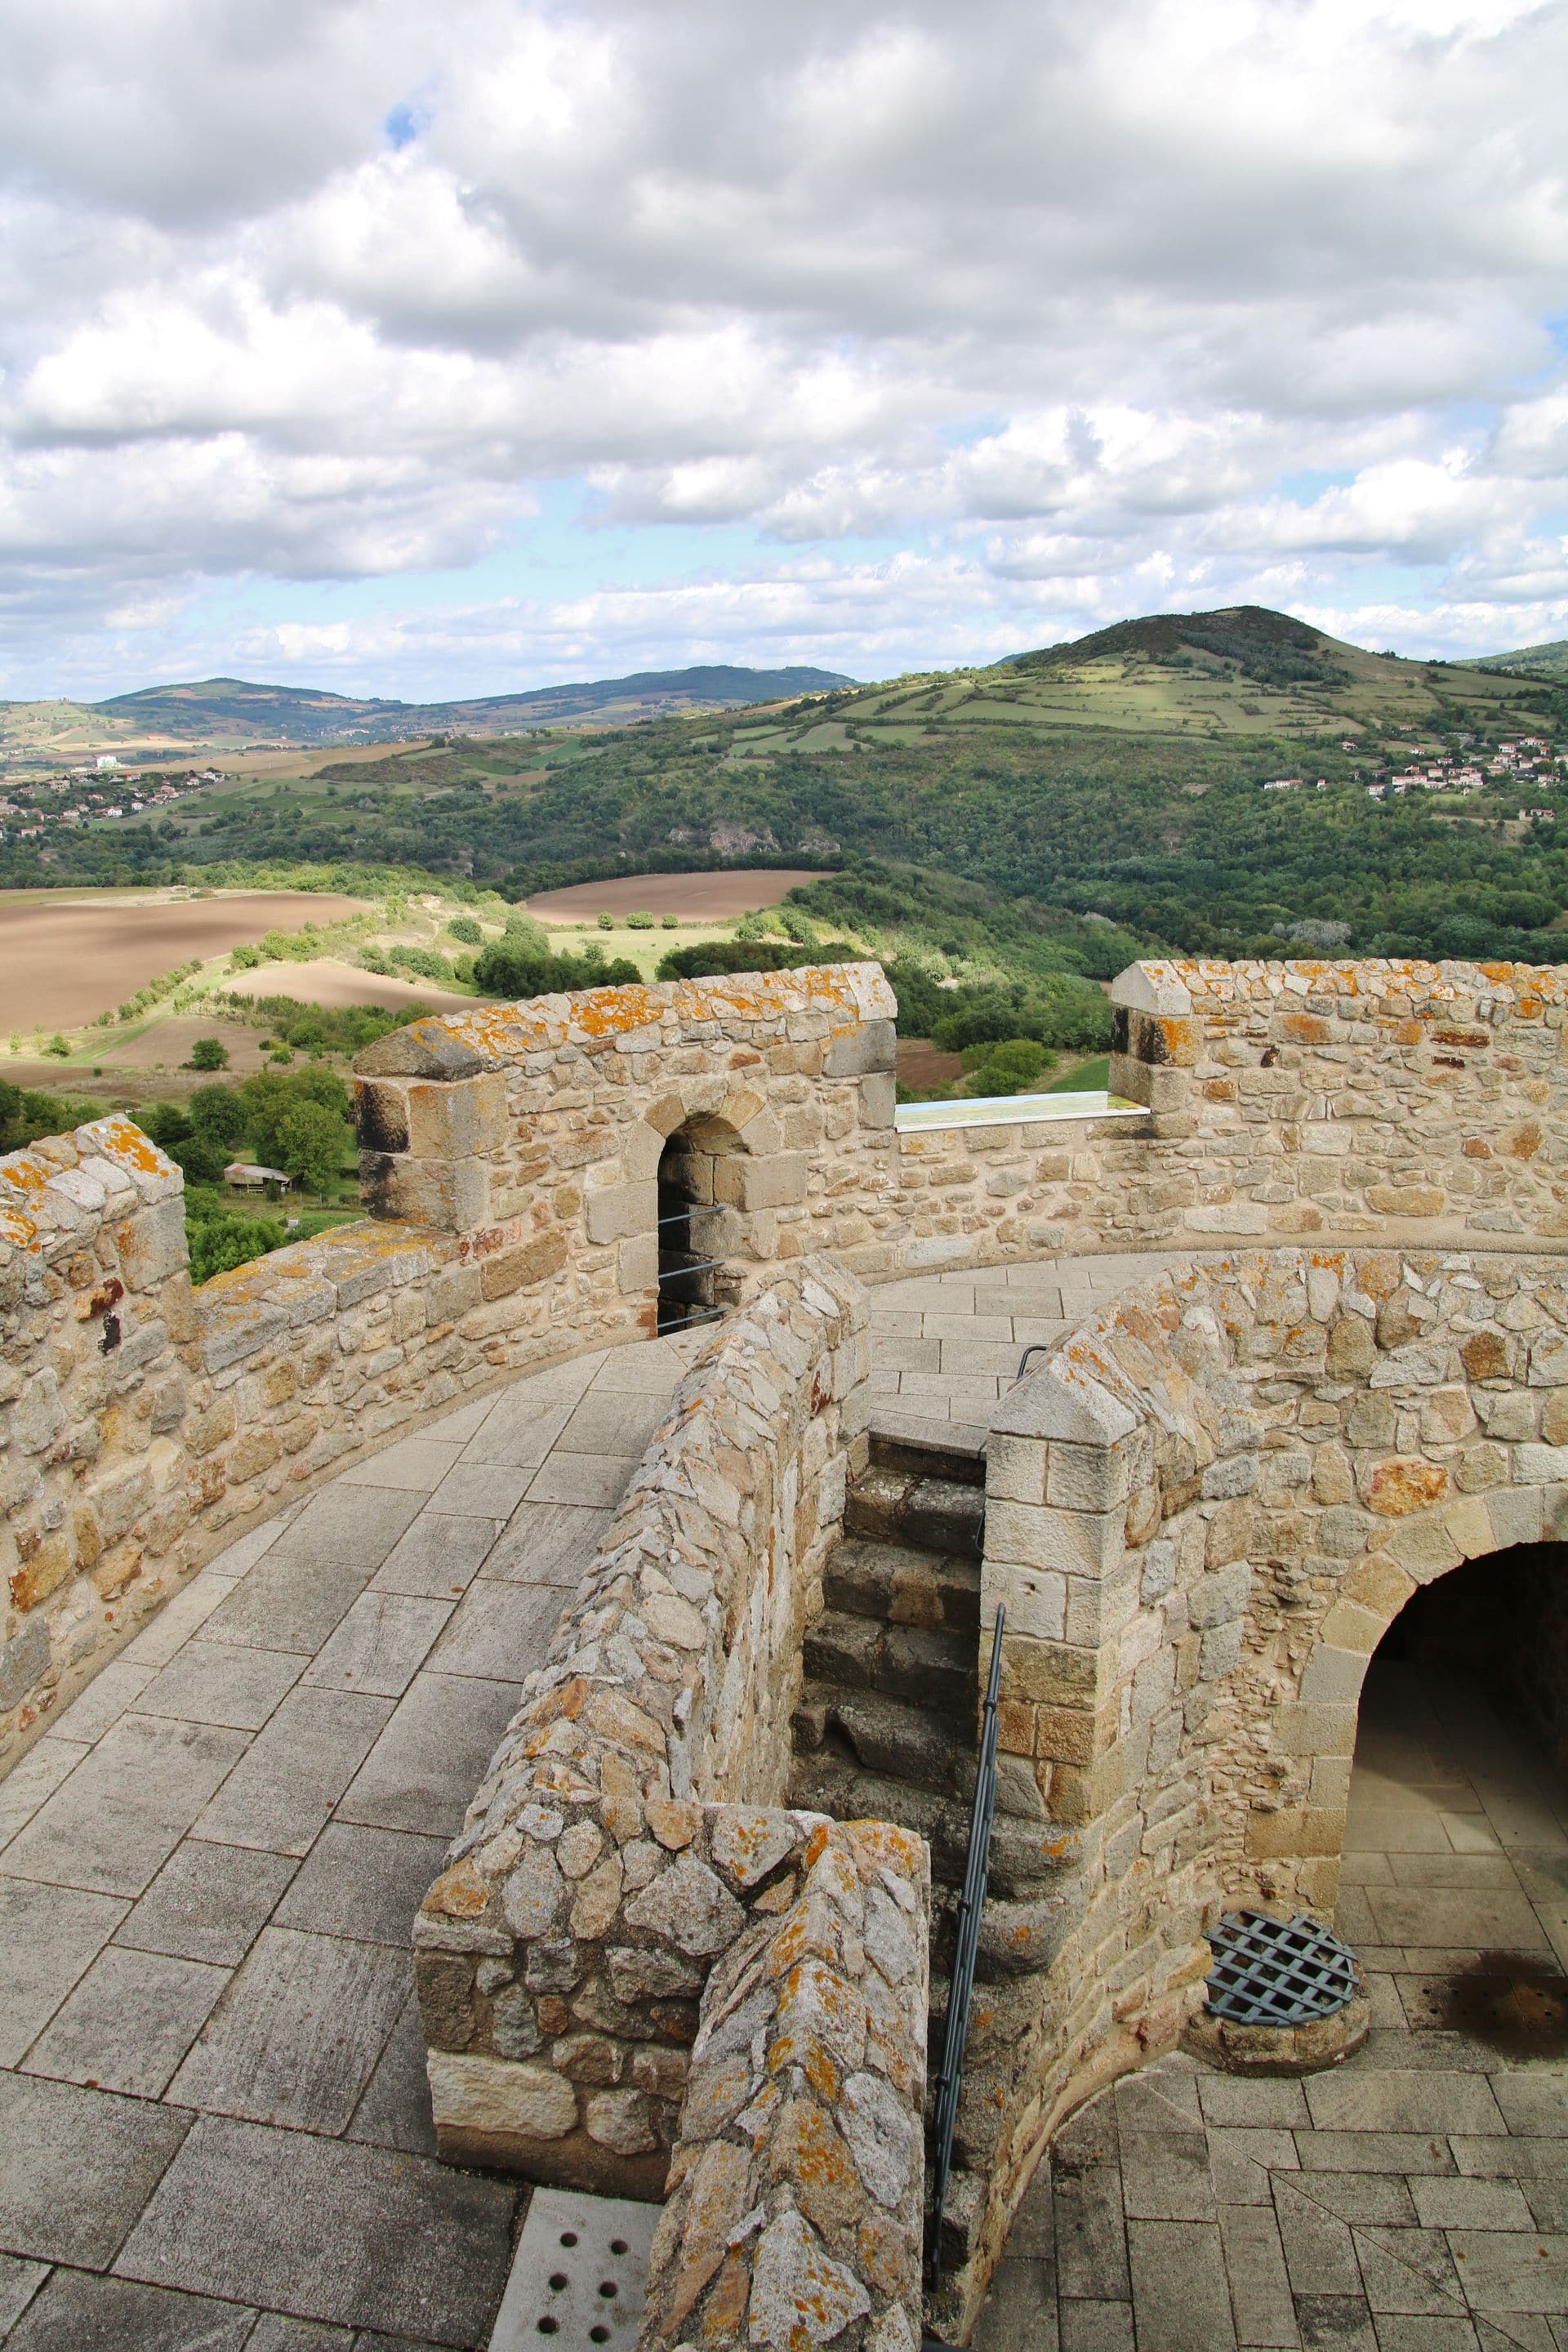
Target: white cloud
x=1083 y=309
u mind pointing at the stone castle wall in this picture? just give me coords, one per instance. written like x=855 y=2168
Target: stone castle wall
x=1203 y=1513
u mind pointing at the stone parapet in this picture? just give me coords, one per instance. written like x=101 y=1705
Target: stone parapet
x=794 y=2193
x=625 y=1831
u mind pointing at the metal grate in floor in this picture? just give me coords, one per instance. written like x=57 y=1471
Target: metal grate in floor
x=1277 y=1971
x=578 y=2275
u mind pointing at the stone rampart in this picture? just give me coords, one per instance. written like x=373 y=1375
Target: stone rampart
x=629 y=1828
x=1202 y=1512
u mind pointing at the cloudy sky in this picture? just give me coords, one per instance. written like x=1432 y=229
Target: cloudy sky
x=417 y=348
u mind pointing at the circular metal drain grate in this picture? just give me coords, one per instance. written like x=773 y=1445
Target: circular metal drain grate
x=1277 y=1971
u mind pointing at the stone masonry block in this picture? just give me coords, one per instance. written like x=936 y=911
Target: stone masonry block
x=458 y=1120
x=1333 y=1676
x=879 y=1098
x=1074 y=1543
x=1088 y=1477
x=152 y=1245
x=637 y=1264
x=1035 y=1600
x=1015 y=1470
x=741 y=1182
x=618 y=1213
x=853 y=1053
x=1060 y=1402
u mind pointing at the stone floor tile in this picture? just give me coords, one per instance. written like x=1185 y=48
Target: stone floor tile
x=298 y=2033
x=281 y=1794
x=1356 y=2098
x=30 y=1781
x=1232 y=2099
x=1092 y=2236
x=1472 y=1872
x=1499 y=1919
x=481 y=1490
x=1496 y=2280
x=1460 y=2204
x=1165 y=2175
x=1095 y=2327
x=354 y=1526
x=19 y=2282
x=365 y=1883
x=547 y=1543
x=49 y=1937
x=1357 y=1869
x=1548 y=2202
x=1387 y=2011
x=274 y=2333
x=432 y=1755
x=1320 y=2253
x=1423 y=2046
x=1407 y=2271
x=616 y=1420
x=1088 y=2138
x=328 y=2230
x=519 y=1434
x=79 y=2312
x=438 y=1557
x=416 y=1464
x=1241 y=2158
x=1180 y=2294
x=1335 y=2323
x=1369 y=2197
x=1032 y=2230
x=1159 y=2097
x=907 y=1354
x=207 y=1903
x=240 y=1556
x=598 y=1480
x=464 y=1421
x=178 y=1619
x=1260 y=2302
x=218 y=1682
x=1020 y=2313
x=636 y=1368
x=1512 y=2158
x=500 y=1631
x=112 y=1690
x=1453 y=2333
x=76 y=2167
x=1536 y=2105
x=129 y=2022
x=394 y=2106
x=1408 y=1831
x=380 y=1645
x=289 y=1602
x=112 y=1825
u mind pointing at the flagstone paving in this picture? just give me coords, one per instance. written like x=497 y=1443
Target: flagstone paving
x=1415 y=2199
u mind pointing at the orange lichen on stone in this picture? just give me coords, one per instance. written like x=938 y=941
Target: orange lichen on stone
x=460 y=1893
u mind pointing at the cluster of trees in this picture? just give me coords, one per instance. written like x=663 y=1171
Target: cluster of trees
x=26 y=1114
x=296 y=1121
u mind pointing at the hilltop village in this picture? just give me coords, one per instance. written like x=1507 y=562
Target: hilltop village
x=87 y=796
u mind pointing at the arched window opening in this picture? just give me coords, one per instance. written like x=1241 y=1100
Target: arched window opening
x=697 y=1225
x=1455 y=1856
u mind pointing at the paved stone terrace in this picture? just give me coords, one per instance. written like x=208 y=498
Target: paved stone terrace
x=1414 y=2201
x=215 y=2128
x=948 y=1346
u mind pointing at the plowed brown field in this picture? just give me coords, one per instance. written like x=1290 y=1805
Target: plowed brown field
x=715 y=898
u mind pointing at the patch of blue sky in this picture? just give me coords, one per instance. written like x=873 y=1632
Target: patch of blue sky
x=405 y=122
x=1304 y=488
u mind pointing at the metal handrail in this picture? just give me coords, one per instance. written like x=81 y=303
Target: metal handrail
x=966 y=1942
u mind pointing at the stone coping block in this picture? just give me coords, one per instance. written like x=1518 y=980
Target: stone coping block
x=602 y=1866
x=794 y=2195
x=54 y=1190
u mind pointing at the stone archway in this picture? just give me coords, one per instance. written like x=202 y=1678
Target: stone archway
x=698 y=1224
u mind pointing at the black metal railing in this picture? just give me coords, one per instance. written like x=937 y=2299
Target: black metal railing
x=966 y=1942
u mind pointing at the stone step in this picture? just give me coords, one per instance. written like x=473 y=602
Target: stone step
x=898 y=1506
x=902 y=1586
x=911 y=1749
x=927 y=1664
x=960 y=1458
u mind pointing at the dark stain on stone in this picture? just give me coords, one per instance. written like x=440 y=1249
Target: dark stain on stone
x=1514 y=2002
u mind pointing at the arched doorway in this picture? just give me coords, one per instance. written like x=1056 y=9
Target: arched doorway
x=696 y=1225
x=1455 y=1877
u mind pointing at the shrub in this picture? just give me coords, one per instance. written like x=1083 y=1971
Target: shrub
x=244 y=959
x=707 y=959
x=509 y=968
x=219 y=1240
x=669 y=922
x=57 y=1047
x=1008 y=1068
x=606 y=922
x=464 y=928
x=640 y=922
x=208 y=1054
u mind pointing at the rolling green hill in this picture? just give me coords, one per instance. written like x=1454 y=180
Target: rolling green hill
x=1548 y=661
x=216 y=713
x=1115 y=782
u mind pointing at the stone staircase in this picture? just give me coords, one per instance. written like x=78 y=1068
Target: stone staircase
x=886 y=1728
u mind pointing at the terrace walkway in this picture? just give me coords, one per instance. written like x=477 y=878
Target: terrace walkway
x=214 y=2128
